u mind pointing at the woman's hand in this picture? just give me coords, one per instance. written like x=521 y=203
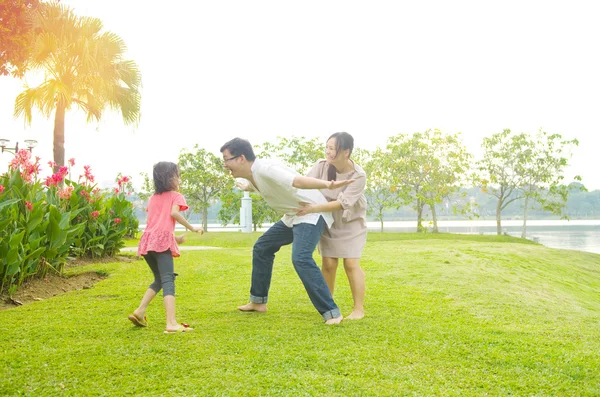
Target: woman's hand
x=336 y=184
x=180 y=239
x=305 y=208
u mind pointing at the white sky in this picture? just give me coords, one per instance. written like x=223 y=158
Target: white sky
x=213 y=70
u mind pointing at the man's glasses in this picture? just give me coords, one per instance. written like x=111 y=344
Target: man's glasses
x=231 y=158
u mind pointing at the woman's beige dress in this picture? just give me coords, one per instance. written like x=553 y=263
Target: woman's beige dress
x=347 y=236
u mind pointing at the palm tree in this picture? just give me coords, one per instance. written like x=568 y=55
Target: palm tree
x=83 y=67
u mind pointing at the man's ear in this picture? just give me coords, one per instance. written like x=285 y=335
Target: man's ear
x=242 y=156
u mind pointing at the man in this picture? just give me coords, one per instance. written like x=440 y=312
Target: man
x=283 y=189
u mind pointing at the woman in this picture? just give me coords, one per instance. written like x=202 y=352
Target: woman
x=348 y=234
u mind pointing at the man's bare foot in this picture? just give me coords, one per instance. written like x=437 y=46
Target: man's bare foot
x=333 y=321
x=253 y=307
x=355 y=315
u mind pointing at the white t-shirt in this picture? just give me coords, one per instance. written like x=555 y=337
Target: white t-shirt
x=275 y=186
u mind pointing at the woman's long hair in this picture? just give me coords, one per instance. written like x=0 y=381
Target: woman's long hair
x=343 y=141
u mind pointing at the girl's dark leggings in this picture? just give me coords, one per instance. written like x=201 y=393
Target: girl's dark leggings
x=161 y=264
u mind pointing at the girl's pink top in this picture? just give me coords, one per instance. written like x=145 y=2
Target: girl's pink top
x=160 y=227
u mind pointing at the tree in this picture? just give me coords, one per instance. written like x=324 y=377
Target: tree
x=500 y=173
x=379 y=191
x=16 y=35
x=427 y=168
x=203 y=180
x=448 y=165
x=83 y=66
x=298 y=153
x=545 y=160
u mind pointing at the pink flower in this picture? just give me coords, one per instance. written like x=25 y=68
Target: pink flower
x=28 y=205
x=123 y=180
x=22 y=162
x=88 y=173
x=116 y=190
x=65 y=193
x=71 y=162
x=54 y=180
x=51 y=164
x=95 y=214
x=117 y=220
x=1 y=188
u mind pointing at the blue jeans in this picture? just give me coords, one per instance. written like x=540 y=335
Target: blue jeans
x=304 y=238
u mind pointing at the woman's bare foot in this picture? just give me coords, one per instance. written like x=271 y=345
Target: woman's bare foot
x=333 y=321
x=355 y=315
x=253 y=307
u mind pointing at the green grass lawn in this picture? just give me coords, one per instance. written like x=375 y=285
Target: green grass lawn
x=447 y=315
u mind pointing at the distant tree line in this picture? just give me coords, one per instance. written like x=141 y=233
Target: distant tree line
x=425 y=176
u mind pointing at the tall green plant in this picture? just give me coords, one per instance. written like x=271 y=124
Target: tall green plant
x=36 y=235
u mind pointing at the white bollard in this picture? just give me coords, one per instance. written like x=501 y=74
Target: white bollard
x=246 y=213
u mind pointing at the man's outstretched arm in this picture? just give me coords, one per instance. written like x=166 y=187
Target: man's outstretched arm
x=307 y=182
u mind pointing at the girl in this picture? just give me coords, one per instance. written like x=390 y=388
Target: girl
x=158 y=244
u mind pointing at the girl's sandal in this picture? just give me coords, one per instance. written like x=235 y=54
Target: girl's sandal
x=182 y=328
x=140 y=323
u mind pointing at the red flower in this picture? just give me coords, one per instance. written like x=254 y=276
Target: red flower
x=116 y=190
x=117 y=220
x=28 y=205
x=1 y=188
x=95 y=214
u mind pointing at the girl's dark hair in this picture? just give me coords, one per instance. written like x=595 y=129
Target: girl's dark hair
x=343 y=141
x=164 y=174
x=239 y=146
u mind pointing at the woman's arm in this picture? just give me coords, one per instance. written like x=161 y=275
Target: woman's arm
x=307 y=208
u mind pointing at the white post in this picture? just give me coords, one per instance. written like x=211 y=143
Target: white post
x=246 y=213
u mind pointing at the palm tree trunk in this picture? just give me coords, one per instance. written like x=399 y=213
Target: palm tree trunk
x=59 y=136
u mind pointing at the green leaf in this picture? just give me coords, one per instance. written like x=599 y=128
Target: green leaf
x=8 y=202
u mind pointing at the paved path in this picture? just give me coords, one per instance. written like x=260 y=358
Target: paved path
x=181 y=248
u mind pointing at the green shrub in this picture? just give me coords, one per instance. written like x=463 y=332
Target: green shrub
x=42 y=224
x=36 y=235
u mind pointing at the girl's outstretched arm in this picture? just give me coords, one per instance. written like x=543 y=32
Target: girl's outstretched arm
x=180 y=218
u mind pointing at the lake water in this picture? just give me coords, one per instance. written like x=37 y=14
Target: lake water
x=582 y=235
